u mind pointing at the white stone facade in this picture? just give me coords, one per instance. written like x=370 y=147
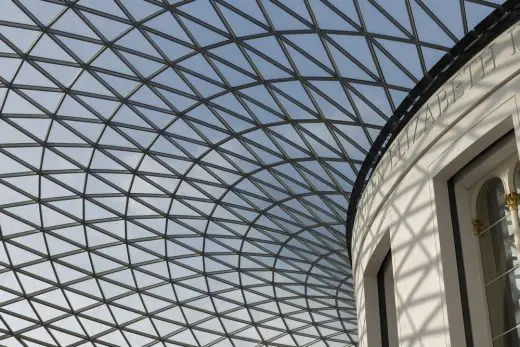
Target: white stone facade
x=405 y=206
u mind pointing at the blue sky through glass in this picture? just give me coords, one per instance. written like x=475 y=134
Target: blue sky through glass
x=177 y=173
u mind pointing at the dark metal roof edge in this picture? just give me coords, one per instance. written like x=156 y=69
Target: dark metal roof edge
x=475 y=40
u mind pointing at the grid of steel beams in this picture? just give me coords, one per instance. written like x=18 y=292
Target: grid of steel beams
x=500 y=20
x=176 y=173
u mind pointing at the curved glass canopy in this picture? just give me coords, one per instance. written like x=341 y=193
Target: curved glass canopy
x=177 y=173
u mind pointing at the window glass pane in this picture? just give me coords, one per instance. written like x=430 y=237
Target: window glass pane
x=499 y=262
x=388 y=314
x=507 y=340
x=502 y=296
x=497 y=242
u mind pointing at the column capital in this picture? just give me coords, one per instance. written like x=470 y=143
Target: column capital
x=511 y=200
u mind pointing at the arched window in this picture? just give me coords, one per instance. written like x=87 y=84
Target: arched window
x=498 y=255
x=487 y=238
x=387 y=309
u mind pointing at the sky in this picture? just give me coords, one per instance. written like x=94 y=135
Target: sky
x=179 y=173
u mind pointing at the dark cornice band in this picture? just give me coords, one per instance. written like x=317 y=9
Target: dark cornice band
x=474 y=41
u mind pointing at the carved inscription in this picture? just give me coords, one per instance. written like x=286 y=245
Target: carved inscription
x=479 y=68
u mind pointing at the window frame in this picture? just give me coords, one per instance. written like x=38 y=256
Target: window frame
x=386 y=265
x=466 y=184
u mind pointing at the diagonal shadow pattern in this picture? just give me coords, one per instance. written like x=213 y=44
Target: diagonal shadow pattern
x=176 y=173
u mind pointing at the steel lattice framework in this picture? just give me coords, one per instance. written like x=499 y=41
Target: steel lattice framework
x=177 y=173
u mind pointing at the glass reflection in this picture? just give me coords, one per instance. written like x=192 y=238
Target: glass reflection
x=498 y=259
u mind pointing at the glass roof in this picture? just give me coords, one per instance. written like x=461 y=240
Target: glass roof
x=177 y=173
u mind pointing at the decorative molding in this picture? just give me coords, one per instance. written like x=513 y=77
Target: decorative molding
x=478 y=226
x=511 y=200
